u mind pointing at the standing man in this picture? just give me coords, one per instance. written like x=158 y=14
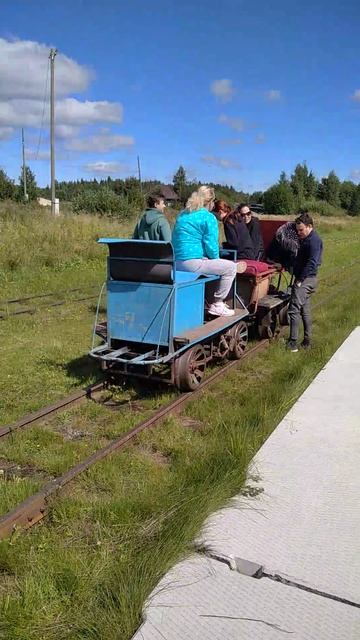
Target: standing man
x=307 y=263
x=153 y=224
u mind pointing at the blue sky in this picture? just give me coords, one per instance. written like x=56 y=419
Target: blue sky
x=234 y=91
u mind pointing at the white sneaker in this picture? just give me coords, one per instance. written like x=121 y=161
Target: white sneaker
x=220 y=309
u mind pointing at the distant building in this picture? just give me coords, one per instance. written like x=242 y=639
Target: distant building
x=169 y=194
x=43 y=202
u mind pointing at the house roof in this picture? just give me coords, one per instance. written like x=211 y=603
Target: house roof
x=168 y=192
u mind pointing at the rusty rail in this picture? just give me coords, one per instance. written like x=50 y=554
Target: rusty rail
x=34 y=508
x=31 y=418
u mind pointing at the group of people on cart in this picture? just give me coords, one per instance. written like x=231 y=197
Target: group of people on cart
x=195 y=239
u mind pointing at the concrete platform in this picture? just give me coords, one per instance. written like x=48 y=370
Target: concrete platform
x=306 y=524
x=305 y=527
x=202 y=599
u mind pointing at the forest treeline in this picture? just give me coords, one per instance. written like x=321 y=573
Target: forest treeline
x=124 y=198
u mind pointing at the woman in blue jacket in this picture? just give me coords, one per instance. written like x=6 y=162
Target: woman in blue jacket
x=196 y=243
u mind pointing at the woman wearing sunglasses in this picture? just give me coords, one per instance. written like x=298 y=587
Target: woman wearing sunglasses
x=236 y=232
x=253 y=226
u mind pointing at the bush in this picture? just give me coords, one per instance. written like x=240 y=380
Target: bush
x=279 y=199
x=104 y=201
x=322 y=208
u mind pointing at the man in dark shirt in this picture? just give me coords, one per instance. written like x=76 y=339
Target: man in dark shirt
x=306 y=265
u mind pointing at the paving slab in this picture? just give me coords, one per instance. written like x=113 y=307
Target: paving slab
x=306 y=524
x=202 y=599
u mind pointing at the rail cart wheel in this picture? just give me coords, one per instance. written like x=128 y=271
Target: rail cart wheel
x=283 y=316
x=240 y=337
x=190 y=368
x=267 y=326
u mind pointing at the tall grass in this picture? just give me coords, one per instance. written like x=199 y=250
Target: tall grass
x=33 y=238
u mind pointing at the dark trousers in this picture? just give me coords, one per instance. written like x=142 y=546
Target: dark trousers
x=299 y=308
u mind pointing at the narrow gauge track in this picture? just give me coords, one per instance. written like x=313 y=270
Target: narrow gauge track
x=31 y=418
x=9 y=308
x=34 y=508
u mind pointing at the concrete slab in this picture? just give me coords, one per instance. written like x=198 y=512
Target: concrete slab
x=306 y=524
x=202 y=599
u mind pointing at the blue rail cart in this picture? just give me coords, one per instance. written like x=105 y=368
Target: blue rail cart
x=157 y=324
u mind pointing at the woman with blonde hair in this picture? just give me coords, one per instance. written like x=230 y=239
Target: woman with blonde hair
x=196 y=243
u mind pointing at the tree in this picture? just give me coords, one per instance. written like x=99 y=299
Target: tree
x=311 y=186
x=283 y=178
x=329 y=189
x=354 y=209
x=279 y=199
x=7 y=187
x=257 y=197
x=180 y=184
x=347 y=189
x=31 y=186
x=303 y=183
x=299 y=183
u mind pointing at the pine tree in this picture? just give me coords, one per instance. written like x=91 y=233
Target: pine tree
x=31 y=186
x=180 y=184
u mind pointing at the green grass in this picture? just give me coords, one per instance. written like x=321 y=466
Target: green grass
x=85 y=572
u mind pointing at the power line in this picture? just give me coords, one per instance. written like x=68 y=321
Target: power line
x=43 y=111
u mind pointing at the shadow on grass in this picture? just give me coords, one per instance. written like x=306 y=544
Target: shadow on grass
x=122 y=389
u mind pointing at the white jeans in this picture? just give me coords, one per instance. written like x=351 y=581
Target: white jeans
x=223 y=268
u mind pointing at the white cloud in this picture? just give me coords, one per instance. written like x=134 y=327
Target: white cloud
x=6 y=132
x=234 y=123
x=106 y=167
x=32 y=154
x=223 y=163
x=356 y=95
x=72 y=111
x=23 y=68
x=260 y=139
x=355 y=175
x=63 y=131
x=100 y=143
x=222 y=90
x=273 y=95
x=232 y=141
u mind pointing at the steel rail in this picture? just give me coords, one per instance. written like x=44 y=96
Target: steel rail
x=34 y=508
x=45 y=295
x=32 y=310
x=31 y=418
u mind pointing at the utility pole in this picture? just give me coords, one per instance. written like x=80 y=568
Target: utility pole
x=26 y=197
x=139 y=173
x=54 y=208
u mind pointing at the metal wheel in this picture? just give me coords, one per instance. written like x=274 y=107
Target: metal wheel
x=240 y=339
x=283 y=316
x=190 y=368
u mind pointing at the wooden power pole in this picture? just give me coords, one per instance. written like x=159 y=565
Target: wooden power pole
x=24 y=166
x=139 y=173
x=54 y=208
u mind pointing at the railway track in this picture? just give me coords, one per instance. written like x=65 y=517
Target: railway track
x=35 y=507
x=13 y=306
